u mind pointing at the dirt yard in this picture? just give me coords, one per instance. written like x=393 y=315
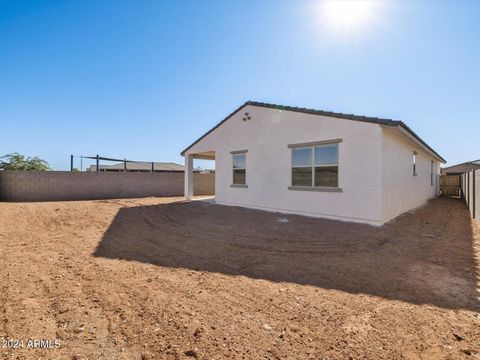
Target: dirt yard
x=166 y=279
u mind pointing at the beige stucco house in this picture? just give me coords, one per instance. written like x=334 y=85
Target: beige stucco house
x=317 y=163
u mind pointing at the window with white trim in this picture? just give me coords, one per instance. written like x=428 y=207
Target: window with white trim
x=239 y=161
x=315 y=166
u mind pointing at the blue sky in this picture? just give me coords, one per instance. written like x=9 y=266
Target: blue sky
x=144 y=79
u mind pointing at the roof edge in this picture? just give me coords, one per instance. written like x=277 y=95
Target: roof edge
x=368 y=119
x=473 y=162
x=215 y=127
x=405 y=127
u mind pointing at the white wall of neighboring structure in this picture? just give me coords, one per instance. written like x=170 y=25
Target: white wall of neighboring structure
x=401 y=190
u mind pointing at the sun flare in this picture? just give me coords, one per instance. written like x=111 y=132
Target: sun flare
x=348 y=15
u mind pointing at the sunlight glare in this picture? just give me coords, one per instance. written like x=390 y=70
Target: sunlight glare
x=348 y=16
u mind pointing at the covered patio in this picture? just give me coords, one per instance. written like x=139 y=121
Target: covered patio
x=189 y=168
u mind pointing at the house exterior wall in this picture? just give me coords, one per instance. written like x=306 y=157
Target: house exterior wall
x=266 y=138
x=401 y=190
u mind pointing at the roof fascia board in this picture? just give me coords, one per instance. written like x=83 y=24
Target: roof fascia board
x=413 y=138
x=381 y=122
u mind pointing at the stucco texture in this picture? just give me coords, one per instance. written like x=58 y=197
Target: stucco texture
x=365 y=172
x=401 y=190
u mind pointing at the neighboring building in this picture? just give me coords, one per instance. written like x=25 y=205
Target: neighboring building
x=317 y=163
x=461 y=168
x=139 y=167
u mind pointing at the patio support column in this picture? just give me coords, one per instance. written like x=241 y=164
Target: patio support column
x=188 y=177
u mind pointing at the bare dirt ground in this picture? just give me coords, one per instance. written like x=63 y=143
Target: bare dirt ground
x=165 y=279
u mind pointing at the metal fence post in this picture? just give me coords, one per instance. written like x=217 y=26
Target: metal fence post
x=98 y=163
x=71 y=162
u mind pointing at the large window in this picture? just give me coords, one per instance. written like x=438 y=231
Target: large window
x=239 y=168
x=315 y=166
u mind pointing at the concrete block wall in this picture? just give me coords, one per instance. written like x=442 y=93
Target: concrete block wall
x=65 y=185
x=477 y=194
x=470 y=192
x=203 y=184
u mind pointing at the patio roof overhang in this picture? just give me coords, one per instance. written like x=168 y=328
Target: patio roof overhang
x=207 y=155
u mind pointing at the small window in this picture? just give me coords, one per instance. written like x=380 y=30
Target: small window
x=315 y=166
x=414 y=163
x=431 y=173
x=239 y=169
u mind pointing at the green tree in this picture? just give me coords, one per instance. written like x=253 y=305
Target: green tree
x=16 y=161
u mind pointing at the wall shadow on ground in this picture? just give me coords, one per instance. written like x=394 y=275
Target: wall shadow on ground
x=423 y=257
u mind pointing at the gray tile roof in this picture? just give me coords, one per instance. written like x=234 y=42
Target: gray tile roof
x=369 y=119
x=466 y=163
